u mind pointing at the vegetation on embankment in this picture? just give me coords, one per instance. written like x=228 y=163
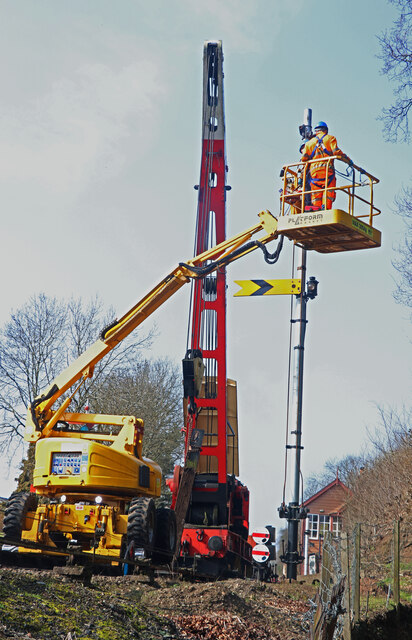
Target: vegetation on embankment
x=33 y=605
x=42 y=606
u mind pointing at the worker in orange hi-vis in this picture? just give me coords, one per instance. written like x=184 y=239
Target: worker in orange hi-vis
x=322 y=145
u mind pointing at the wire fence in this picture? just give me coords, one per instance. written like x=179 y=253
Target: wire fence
x=363 y=572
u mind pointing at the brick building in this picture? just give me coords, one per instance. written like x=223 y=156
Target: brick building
x=325 y=514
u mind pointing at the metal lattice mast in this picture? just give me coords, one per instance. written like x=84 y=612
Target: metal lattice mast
x=208 y=312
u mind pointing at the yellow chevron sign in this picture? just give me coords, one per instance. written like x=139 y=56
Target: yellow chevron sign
x=267 y=287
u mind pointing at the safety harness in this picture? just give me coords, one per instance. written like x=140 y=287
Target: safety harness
x=320 y=147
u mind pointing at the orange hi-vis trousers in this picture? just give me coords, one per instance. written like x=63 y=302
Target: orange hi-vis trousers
x=317 y=183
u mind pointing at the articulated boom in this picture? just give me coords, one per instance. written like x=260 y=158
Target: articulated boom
x=41 y=419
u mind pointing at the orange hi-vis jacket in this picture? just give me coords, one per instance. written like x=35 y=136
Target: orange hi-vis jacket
x=321 y=145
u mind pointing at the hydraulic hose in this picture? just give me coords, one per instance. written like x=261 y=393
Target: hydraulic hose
x=270 y=258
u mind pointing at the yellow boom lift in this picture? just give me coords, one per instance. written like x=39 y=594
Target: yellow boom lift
x=97 y=489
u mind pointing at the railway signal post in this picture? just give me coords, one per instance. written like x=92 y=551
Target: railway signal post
x=292 y=511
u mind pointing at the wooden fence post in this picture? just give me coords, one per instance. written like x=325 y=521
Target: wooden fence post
x=396 y=565
x=319 y=630
x=331 y=597
x=347 y=633
x=326 y=570
x=356 y=573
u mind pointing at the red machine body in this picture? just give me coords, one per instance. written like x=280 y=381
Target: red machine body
x=214 y=539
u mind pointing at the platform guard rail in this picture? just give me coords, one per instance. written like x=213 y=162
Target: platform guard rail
x=297 y=192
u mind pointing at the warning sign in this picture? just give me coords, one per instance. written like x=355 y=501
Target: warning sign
x=260 y=553
x=261 y=535
x=268 y=287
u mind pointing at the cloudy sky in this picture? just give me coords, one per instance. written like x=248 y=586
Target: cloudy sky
x=100 y=125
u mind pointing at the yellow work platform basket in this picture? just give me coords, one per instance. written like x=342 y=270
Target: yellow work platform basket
x=347 y=227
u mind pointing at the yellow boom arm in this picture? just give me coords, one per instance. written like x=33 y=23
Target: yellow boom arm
x=40 y=416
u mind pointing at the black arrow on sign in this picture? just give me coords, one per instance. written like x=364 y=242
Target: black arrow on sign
x=264 y=286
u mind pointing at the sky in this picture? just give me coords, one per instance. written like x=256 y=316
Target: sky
x=100 y=133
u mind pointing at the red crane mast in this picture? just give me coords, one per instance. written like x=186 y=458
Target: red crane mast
x=212 y=505
x=208 y=305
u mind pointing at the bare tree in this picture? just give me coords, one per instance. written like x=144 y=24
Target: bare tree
x=151 y=390
x=396 y=56
x=381 y=493
x=380 y=481
x=403 y=262
x=347 y=469
x=38 y=342
x=394 y=431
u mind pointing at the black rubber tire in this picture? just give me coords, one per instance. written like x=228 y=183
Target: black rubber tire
x=166 y=534
x=17 y=507
x=141 y=524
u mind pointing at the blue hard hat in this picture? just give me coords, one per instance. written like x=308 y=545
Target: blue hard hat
x=321 y=125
